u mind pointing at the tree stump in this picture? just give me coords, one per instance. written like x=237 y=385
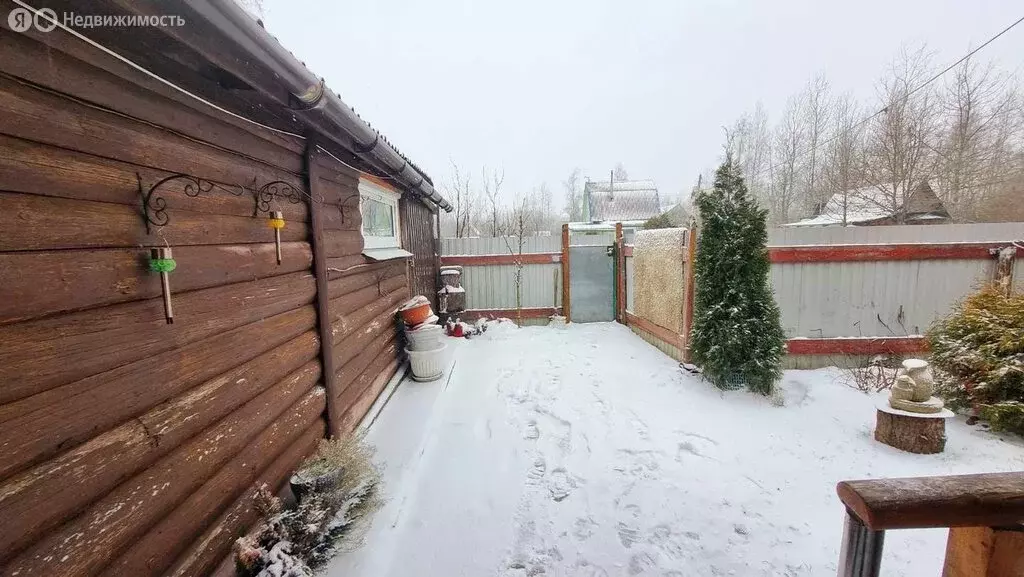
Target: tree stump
x=915 y=433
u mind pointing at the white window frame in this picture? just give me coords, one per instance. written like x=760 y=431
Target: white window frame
x=382 y=195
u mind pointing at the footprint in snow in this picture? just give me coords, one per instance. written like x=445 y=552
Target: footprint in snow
x=627 y=534
x=560 y=485
x=538 y=469
x=641 y=562
x=583 y=528
x=531 y=432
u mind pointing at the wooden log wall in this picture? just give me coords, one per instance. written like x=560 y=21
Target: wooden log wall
x=418 y=238
x=129 y=446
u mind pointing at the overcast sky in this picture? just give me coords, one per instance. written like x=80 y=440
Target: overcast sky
x=541 y=87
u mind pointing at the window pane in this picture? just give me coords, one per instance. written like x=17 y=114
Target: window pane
x=378 y=218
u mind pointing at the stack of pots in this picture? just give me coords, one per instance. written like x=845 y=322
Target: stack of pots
x=424 y=339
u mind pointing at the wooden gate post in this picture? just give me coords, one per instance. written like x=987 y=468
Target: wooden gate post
x=323 y=317
x=691 y=255
x=565 y=273
x=620 y=276
x=1004 y=268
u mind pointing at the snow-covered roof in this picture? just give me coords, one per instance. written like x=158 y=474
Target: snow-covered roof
x=873 y=203
x=621 y=201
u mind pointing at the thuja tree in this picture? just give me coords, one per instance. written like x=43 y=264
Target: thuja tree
x=737 y=337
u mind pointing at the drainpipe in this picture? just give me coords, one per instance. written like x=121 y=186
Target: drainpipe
x=311 y=101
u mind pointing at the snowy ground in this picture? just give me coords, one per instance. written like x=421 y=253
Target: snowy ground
x=585 y=451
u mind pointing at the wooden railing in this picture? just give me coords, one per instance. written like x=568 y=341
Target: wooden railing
x=984 y=514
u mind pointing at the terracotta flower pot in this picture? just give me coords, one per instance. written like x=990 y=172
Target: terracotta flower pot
x=415 y=311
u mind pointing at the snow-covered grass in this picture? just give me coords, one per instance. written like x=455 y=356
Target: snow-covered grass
x=585 y=451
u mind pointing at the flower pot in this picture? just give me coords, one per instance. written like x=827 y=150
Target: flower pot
x=415 y=311
x=426 y=337
x=427 y=365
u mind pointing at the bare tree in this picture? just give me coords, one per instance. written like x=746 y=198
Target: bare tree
x=842 y=162
x=620 y=172
x=899 y=138
x=790 y=143
x=460 y=194
x=520 y=220
x=492 y=194
x=573 y=196
x=816 y=105
x=980 y=121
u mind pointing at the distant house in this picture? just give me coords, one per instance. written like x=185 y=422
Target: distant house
x=678 y=215
x=873 y=206
x=624 y=201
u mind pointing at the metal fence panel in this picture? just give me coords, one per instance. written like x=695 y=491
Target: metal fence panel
x=494 y=287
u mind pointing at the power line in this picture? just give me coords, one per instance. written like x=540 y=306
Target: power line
x=866 y=119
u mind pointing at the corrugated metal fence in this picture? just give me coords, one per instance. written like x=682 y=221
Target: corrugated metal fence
x=842 y=291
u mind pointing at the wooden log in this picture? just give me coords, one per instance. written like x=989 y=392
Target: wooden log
x=340 y=266
x=204 y=553
x=339 y=243
x=362 y=404
x=30 y=222
x=78 y=279
x=37 y=427
x=345 y=324
x=54 y=490
x=153 y=553
x=984 y=500
x=366 y=296
x=358 y=387
x=368 y=276
x=32 y=114
x=78 y=548
x=386 y=342
x=350 y=346
x=38 y=355
x=984 y=552
x=923 y=435
x=87 y=64
x=342 y=215
x=35 y=168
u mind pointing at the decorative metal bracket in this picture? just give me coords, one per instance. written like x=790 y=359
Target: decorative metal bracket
x=344 y=205
x=154 y=205
x=266 y=194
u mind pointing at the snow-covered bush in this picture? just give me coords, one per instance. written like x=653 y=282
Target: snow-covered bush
x=737 y=335
x=979 y=351
x=340 y=490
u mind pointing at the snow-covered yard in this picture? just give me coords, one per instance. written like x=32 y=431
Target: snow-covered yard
x=585 y=451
